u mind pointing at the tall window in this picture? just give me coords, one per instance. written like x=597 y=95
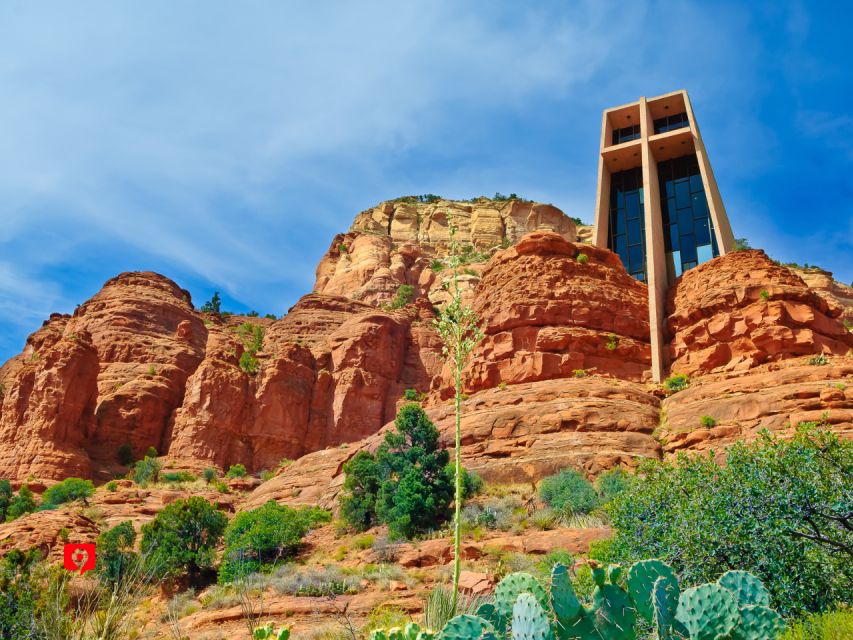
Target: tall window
x=627 y=224
x=668 y=123
x=689 y=237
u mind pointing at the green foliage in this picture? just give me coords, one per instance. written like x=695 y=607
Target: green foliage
x=183 y=537
x=116 y=558
x=151 y=372
x=832 y=625
x=270 y=316
x=214 y=305
x=582 y=258
x=578 y=221
x=5 y=498
x=269 y=633
x=569 y=493
x=764 y=295
x=21 y=504
x=612 y=483
x=252 y=314
x=678 y=382
x=579 y=373
x=112 y=485
x=818 y=360
x=708 y=422
x=151 y=452
x=236 y=471
x=499 y=197
x=147 y=470
x=404 y=484
x=68 y=490
x=780 y=509
x=124 y=454
x=742 y=244
x=405 y=295
x=18 y=594
x=209 y=475
x=411 y=395
x=437 y=265
x=252 y=336
x=612 y=342
x=177 y=476
x=261 y=538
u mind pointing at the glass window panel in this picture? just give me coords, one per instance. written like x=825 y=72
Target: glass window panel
x=689 y=265
x=703 y=233
x=635 y=257
x=632 y=205
x=682 y=194
x=635 y=232
x=673 y=236
x=620 y=245
x=670 y=189
x=700 y=205
x=620 y=221
x=620 y=199
x=696 y=183
x=704 y=253
x=687 y=246
x=685 y=220
x=676 y=259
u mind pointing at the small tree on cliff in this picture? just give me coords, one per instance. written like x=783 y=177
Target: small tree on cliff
x=457 y=326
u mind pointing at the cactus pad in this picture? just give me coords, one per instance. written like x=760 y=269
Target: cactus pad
x=563 y=599
x=664 y=604
x=514 y=585
x=746 y=588
x=466 y=627
x=758 y=622
x=707 y=611
x=614 y=613
x=529 y=620
x=641 y=581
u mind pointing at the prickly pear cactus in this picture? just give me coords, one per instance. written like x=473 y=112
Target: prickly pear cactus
x=758 y=622
x=514 y=585
x=641 y=580
x=268 y=633
x=664 y=604
x=488 y=612
x=707 y=611
x=746 y=588
x=565 y=603
x=529 y=620
x=466 y=627
x=614 y=613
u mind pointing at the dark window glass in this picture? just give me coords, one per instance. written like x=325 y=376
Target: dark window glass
x=685 y=214
x=635 y=232
x=620 y=246
x=670 y=123
x=632 y=206
x=635 y=257
x=626 y=220
x=626 y=134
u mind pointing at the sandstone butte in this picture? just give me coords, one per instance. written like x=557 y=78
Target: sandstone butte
x=560 y=379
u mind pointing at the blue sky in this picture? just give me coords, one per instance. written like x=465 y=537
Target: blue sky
x=223 y=144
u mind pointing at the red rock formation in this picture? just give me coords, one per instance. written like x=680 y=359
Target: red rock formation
x=742 y=309
x=546 y=315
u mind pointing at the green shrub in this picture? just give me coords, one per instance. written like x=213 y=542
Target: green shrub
x=68 y=490
x=612 y=483
x=151 y=452
x=183 y=537
x=780 y=509
x=579 y=373
x=818 y=360
x=249 y=363
x=708 y=422
x=209 y=474
x=267 y=474
x=569 y=493
x=405 y=484
x=675 y=383
x=764 y=295
x=612 y=342
x=19 y=594
x=112 y=485
x=236 y=471
x=411 y=395
x=405 y=295
x=214 y=305
x=177 y=476
x=5 y=498
x=258 y=539
x=436 y=265
x=21 y=504
x=116 y=558
x=832 y=625
x=146 y=470
x=582 y=258
x=124 y=454
x=741 y=244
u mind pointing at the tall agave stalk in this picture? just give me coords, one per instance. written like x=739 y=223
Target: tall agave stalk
x=457 y=326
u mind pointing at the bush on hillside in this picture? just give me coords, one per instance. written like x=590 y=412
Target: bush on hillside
x=21 y=504
x=116 y=558
x=68 y=490
x=236 y=471
x=569 y=493
x=612 y=483
x=405 y=484
x=780 y=509
x=259 y=539
x=146 y=470
x=183 y=537
x=831 y=625
x=405 y=295
x=5 y=498
x=18 y=594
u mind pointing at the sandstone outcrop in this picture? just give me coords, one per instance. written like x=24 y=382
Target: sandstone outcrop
x=741 y=310
x=547 y=314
